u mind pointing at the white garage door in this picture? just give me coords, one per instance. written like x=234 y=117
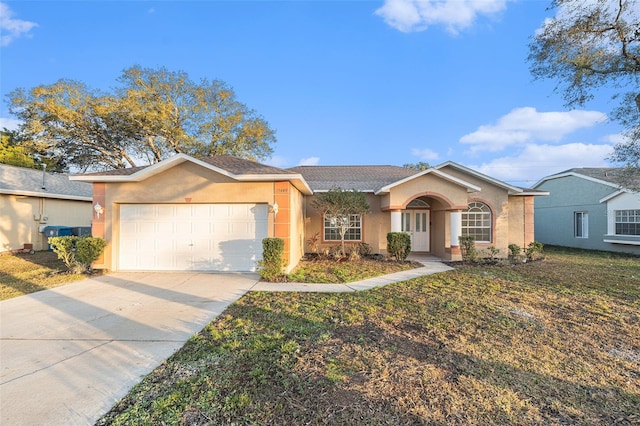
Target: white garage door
x=193 y=237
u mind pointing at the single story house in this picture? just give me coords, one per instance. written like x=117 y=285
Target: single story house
x=32 y=199
x=588 y=209
x=211 y=214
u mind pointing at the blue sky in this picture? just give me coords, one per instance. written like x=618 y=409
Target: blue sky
x=341 y=82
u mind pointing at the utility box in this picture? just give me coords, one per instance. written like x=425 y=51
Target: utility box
x=81 y=231
x=56 y=231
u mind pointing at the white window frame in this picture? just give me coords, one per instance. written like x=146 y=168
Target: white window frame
x=477 y=219
x=581 y=224
x=624 y=217
x=355 y=227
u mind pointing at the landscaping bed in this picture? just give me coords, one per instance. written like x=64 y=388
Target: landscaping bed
x=319 y=269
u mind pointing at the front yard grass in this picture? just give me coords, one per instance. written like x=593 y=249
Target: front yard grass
x=27 y=273
x=333 y=272
x=546 y=343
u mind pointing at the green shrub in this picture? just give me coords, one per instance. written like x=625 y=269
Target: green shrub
x=399 y=245
x=270 y=267
x=468 y=248
x=534 y=250
x=364 y=249
x=493 y=252
x=77 y=253
x=88 y=250
x=314 y=242
x=514 y=250
x=516 y=255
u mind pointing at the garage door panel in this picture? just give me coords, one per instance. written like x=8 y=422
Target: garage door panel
x=192 y=236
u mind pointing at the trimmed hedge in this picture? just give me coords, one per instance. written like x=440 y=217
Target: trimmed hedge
x=77 y=253
x=270 y=267
x=399 y=245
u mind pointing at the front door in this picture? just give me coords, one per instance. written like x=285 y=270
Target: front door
x=416 y=224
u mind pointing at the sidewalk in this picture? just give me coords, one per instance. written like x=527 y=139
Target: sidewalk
x=432 y=265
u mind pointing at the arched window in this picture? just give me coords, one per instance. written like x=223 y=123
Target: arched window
x=476 y=222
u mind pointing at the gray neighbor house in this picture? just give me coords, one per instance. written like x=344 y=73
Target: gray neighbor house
x=587 y=209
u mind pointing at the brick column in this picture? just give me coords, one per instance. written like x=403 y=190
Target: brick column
x=282 y=220
x=98 y=220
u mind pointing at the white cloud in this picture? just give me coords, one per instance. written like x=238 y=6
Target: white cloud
x=311 y=161
x=277 y=161
x=9 y=123
x=12 y=28
x=614 y=138
x=454 y=15
x=425 y=154
x=536 y=161
x=526 y=124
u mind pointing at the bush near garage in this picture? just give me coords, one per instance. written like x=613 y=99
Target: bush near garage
x=270 y=267
x=77 y=253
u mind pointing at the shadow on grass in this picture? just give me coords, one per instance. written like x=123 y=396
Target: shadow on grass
x=27 y=273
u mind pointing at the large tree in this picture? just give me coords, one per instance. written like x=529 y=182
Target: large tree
x=16 y=153
x=590 y=45
x=338 y=206
x=150 y=115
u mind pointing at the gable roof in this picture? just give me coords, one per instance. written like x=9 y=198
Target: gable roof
x=22 y=181
x=379 y=179
x=469 y=186
x=512 y=189
x=359 y=178
x=233 y=167
x=608 y=176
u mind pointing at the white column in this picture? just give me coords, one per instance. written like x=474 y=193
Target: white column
x=396 y=221
x=455 y=227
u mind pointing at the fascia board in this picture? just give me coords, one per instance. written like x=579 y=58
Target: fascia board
x=513 y=190
x=45 y=195
x=578 y=175
x=296 y=179
x=470 y=187
x=612 y=196
x=532 y=193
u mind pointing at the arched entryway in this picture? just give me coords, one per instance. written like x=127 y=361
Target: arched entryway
x=416 y=221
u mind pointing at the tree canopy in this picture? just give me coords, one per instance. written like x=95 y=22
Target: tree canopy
x=14 y=153
x=338 y=205
x=591 y=45
x=420 y=166
x=150 y=115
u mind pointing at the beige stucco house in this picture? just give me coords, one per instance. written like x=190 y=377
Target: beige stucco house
x=33 y=199
x=212 y=213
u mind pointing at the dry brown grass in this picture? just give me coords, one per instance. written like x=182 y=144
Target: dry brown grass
x=27 y=273
x=547 y=343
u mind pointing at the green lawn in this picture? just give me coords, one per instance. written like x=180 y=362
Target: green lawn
x=26 y=273
x=331 y=272
x=552 y=342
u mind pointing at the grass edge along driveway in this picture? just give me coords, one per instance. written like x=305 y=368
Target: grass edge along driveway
x=552 y=342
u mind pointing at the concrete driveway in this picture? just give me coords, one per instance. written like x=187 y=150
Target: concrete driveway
x=67 y=355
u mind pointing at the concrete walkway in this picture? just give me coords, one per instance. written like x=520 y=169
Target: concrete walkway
x=67 y=355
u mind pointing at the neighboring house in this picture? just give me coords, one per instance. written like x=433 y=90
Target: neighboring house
x=587 y=209
x=32 y=199
x=212 y=213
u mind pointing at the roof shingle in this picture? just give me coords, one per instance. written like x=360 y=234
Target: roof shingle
x=57 y=185
x=234 y=165
x=359 y=178
x=615 y=176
